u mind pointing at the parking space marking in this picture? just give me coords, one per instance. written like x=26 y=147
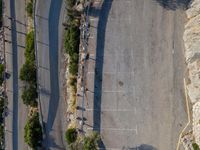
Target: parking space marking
x=112 y=110
x=115 y=129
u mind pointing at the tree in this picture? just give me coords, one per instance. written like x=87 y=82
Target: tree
x=28 y=72
x=33 y=131
x=71 y=135
x=30 y=95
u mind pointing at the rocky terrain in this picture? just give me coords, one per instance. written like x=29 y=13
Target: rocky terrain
x=192 y=55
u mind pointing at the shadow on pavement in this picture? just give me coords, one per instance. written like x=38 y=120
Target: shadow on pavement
x=141 y=147
x=101 y=29
x=15 y=77
x=54 y=15
x=174 y=4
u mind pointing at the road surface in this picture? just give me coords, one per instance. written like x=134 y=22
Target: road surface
x=49 y=18
x=17 y=111
x=135 y=74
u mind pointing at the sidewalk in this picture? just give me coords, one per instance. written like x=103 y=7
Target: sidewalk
x=89 y=70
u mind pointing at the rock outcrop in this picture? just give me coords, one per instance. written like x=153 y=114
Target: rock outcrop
x=192 y=55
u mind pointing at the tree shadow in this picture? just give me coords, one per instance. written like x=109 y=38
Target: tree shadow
x=101 y=29
x=141 y=147
x=174 y=4
x=15 y=76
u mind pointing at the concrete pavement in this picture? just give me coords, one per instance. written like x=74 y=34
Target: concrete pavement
x=49 y=35
x=135 y=74
x=17 y=115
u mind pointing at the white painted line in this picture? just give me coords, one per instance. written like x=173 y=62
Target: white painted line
x=114 y=91
x=115 y=129
x=131 y=72
x=112 y=110
x=136 y=130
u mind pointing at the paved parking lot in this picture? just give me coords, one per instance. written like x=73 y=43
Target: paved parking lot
x=135 y=95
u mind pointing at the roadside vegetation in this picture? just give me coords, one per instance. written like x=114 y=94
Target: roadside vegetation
x=71 y=46
x=88 y=142
x=28 y=74
x=195 y=146
x=71 y=135
x=29 y=8
x=33 y=131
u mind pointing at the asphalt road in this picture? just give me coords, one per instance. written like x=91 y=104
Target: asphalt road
x=17 y=111
x=49 y=30
x=135 y=74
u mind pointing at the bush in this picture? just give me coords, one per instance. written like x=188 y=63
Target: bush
x=72 y=40
x=71 y=135
x=30 y=95
x=71 y=3
x=73 y=81
x=73 y=68
x=91 y=142
x=33 y=131
x=195 y=146
x=28 y=72
x=29 y=8
x=29 y=51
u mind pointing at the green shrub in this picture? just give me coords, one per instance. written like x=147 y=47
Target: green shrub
x=29 y=51
x=73 y=81
x=33 y=131
x=71 y=3
x=72 y=40
x=71 y=135
x=28 y=72
x=73 y=68
x=29 y=8
x=30 y=95
x=195 y=146
x=91 y=142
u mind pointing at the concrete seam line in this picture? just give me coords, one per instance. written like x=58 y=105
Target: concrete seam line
x=188 y=114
